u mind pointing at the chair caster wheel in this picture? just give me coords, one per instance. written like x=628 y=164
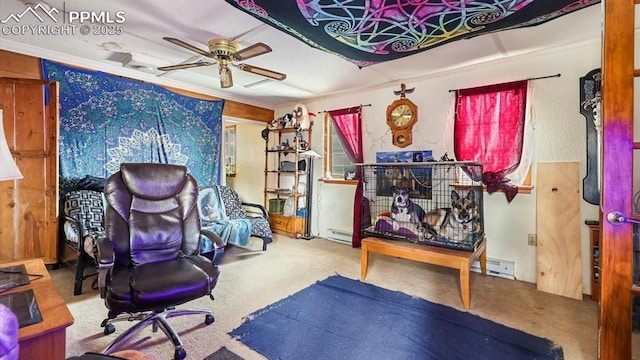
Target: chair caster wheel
x=180 y=354
x=211 y=296
x=109 y=329
x=104 y=323
x=208 y=319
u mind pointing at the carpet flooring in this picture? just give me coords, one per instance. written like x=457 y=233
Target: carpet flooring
x=251 y=280
x=340 y=318
x=223 y=354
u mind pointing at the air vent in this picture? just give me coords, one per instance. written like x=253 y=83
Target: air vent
x=140 y=62
x=497 y=267
x=340 y=236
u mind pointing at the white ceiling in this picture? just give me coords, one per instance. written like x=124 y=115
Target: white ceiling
x=311 y=73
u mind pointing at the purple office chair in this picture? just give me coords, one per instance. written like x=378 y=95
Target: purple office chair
x=149 y=260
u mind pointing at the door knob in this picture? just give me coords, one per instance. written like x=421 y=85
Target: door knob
x=617 y=218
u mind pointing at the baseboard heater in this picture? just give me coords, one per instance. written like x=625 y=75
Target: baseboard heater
x=497 y=267
x=340 y=236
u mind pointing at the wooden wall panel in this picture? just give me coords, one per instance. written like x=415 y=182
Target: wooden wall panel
x=8 y=204
x=19 y=66
x=29 y=206
x=559 y=257
x=234 y=108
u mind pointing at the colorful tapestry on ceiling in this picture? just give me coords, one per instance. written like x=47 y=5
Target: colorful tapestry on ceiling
x=366 y=32
x=106 y=120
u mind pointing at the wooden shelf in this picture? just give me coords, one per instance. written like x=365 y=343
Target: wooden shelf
x=594 y=236
x=279 y=184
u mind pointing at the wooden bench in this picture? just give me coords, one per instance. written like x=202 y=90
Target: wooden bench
x=457 y=259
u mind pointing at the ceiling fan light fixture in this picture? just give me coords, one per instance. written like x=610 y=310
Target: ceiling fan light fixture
x=224 y=48
x=226 y=80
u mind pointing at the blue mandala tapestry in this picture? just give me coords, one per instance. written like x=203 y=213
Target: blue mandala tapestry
x=366 y=32
x=106 y=120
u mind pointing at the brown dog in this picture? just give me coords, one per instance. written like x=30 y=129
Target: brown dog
x=457 y=222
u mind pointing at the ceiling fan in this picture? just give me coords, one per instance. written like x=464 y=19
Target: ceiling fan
x=226 y=52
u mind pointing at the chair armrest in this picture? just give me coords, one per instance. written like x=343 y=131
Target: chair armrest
x=265 y=214
x=105 y=262
x=213 y=237
x=77 y=225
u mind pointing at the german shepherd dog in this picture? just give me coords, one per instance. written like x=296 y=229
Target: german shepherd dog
x=403 y=209
x=457 y=222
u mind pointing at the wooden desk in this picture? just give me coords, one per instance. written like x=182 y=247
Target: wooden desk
x=457 y=259
x=47 y=339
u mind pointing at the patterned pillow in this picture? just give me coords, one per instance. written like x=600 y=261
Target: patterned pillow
x=86 y=206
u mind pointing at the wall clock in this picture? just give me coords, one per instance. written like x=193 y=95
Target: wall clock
x=402 y=114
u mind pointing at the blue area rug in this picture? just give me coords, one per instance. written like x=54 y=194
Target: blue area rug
x=340 y=318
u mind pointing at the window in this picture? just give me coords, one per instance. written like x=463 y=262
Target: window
x=348 y=133
x=491 y=127
x=338 y=165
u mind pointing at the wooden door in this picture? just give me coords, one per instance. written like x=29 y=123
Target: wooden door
x=616 y=268
x=29 y=207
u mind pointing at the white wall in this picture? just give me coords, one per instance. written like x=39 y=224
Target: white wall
x=559 y=135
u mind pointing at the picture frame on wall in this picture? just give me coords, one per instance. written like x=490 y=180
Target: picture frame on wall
x=417 y=178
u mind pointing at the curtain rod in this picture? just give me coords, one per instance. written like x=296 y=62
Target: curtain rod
x=535 y=78
x=362 y=105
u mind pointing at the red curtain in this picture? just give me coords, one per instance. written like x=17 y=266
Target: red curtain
x=348 y=124
x=489 y=128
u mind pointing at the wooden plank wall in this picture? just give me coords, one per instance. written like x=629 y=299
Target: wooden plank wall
x=28 y=207
x=15 y=65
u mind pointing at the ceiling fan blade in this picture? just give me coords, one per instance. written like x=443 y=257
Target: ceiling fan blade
x=188 y=46
x=251 y=51
x=262 y=71
x=185 y=66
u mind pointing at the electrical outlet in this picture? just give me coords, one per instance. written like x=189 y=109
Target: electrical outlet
x=531 y=240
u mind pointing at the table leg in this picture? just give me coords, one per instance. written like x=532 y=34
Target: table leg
x=483 y=262
x=464 y=285
x=364 y=259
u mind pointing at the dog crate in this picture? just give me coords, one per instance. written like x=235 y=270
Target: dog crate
x=430 y=203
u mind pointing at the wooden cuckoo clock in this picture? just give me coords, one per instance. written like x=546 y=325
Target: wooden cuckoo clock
x=402 y=114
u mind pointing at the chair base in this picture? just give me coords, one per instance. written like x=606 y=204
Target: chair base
x=157 y=320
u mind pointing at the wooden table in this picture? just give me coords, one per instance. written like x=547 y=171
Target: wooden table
x=47 y=339
x=457 y=259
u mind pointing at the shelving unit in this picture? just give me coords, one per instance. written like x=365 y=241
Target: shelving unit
x=285 y=179
x=594 y=236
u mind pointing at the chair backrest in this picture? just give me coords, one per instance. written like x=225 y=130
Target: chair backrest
x=152 y=213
